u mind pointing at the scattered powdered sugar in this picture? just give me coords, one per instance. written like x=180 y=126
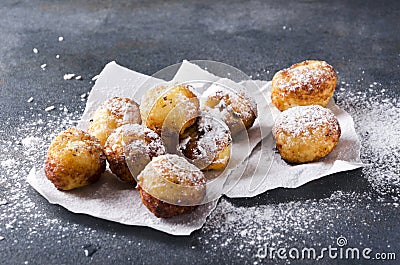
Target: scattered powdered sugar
x=240 y=231
x=50 y=108
x=377 y=121
x=68 y=76
x=21 y=210
x=7 y=163
x=30 y=141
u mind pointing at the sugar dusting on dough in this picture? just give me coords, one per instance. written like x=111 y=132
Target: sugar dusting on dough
x=305 y=78
x=211 y=137
x=175 y=167
x=140 y=135
x=303 y=120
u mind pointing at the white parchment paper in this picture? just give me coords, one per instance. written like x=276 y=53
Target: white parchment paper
x=263 y=170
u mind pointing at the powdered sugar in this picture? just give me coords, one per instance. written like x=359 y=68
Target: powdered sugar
x=135 y=135
x=229 y=103
x=239 y=231
x=174 y=167
x=202 y=143
x=30 y=141
x=8 y=163
x=377 y=120
x=124 y=110
x=304 y=77
x=303 y=120
x=68 y=76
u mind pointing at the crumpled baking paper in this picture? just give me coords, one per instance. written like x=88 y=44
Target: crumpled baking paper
x=263 y=170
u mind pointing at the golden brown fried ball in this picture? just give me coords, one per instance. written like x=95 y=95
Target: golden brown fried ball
x=74 y=159
x=112 y=114
x=169 y=185
x=207 y=143
x=306 y=133
x=138 y=143
x=232 y=107
x=171 y=109
x=310 y=82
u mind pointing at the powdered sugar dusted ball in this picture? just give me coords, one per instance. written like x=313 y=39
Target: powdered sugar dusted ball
x=306 y=83
x=207 y=143
x=74 y=159
x=112 y=114
x=170 y=185
x=130 y=148
x=167 y=109
x=306 y=133
x=233 y=107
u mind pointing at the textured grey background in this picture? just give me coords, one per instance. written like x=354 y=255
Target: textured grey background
x=258 y=37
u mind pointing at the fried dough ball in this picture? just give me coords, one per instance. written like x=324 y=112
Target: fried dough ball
x=232 y=107
x=138 y=143
x=306 y=133
x=171 y=109
x=310 y=82
x=112 y=114
x=207 y=143
x=74 y=159
x=169 y=185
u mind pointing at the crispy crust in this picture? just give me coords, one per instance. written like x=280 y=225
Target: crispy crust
x=162 y=209
x=57 y=174
x=119 y=167
x=306 y=83
x=74 y=159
